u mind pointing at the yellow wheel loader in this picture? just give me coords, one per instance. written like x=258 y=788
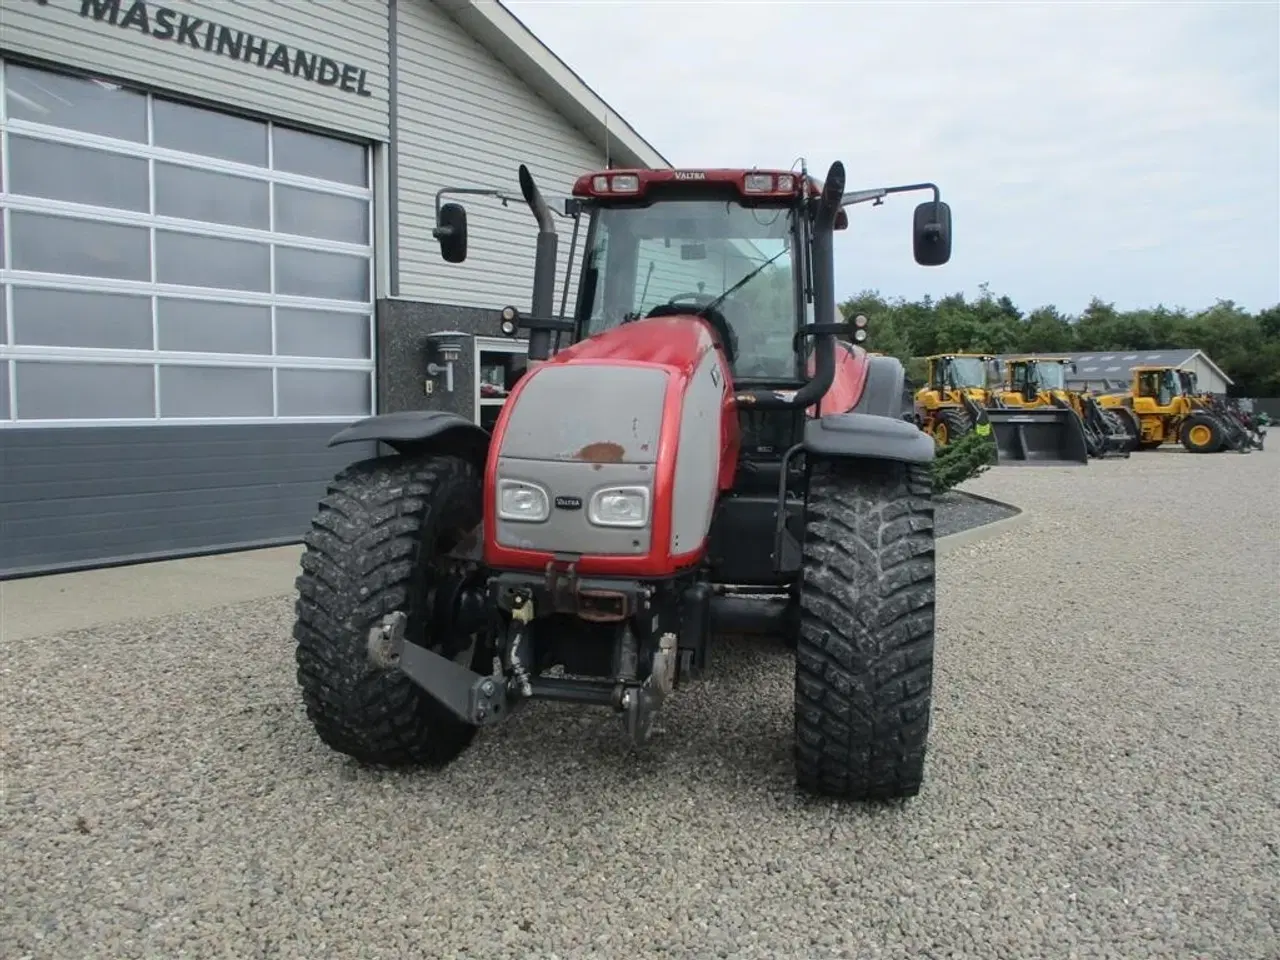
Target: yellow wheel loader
x=1029 y=431
x=1037 y=383
x=955 y=396
x=1168 y=411
x=1239 y=432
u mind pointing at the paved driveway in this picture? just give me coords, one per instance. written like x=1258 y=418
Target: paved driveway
x=1104 y=776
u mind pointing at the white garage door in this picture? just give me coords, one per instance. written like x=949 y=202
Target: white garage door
x=169 y=264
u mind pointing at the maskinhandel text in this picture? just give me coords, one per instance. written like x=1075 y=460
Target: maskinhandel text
x=164 y=23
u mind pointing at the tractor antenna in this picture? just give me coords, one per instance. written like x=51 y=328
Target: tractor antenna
x=608 y=162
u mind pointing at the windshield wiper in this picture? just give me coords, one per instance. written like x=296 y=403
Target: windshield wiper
x=741 y=283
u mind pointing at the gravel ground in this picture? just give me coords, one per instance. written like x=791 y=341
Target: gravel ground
x=1104 y=778
x=956 y=511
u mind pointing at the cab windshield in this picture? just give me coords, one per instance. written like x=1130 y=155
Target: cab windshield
x=1049 y=376
x=966 y=372
x=694 y=252
x=1162 y=385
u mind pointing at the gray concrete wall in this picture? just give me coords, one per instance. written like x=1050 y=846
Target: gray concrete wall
x=403 y=354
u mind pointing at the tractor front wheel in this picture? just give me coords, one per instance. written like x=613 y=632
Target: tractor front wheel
x=375 y=549
x=864 y=653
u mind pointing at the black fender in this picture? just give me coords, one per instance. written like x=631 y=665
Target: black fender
x=420 y=431
x=874 y=428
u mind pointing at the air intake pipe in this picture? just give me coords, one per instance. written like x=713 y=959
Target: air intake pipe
x=822 y=256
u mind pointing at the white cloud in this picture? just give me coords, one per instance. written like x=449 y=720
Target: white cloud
x=1106 y=149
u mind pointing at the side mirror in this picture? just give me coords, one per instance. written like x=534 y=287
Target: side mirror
x=931 y=233
x=451 y=232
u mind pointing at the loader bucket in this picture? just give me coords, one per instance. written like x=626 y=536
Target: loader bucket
x=1041 y=437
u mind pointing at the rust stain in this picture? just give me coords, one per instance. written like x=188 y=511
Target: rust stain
x=601 y=452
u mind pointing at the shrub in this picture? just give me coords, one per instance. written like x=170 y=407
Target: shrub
x=963 y=460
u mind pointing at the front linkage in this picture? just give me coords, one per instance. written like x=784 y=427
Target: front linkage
x=655 y=642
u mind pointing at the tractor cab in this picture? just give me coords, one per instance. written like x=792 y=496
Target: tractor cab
x=743 y=250
x=706 y=248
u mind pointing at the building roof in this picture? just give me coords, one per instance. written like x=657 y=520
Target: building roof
x=502 y=32
x=1118 y=364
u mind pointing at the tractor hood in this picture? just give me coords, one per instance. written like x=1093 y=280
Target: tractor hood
x=677 y=342
x=583 y=461
x=602 y=400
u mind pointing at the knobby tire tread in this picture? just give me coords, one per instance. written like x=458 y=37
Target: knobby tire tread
x=864 y=656
x=958 y=422
x=364 y=557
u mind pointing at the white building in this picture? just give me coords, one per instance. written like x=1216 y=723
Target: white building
x=217 y=248
x=1115 y=367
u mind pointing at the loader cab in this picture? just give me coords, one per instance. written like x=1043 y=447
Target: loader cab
x=1032 y=377
x=951 y=372
x=1161 y=385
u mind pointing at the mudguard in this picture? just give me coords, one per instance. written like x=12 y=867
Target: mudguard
x=884 y=388
x=408 y=430
x=874 y=428
x=869 y=436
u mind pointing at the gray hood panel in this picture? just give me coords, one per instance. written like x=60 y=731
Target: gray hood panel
x=588 y=413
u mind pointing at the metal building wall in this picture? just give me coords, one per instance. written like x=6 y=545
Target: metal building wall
x=187 y=295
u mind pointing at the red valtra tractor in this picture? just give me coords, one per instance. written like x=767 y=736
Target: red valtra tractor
x=686 y=465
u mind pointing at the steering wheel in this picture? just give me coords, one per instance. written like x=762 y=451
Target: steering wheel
x=701 y=299
x=714 y=317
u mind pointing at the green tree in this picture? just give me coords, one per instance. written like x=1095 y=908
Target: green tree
x=1244 y=344
x=1047 y=331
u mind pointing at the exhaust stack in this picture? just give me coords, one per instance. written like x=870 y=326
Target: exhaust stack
x=544 y=265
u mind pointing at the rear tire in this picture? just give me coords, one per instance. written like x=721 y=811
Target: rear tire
x=371 y=551
x=864 y=654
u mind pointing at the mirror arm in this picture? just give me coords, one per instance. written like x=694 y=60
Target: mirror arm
x=439 y=232
x=564 y=207
x=879 y=193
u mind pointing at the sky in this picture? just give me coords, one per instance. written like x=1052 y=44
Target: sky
x=1125 y=151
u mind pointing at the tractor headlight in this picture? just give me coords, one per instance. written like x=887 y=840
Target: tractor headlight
x=521 y=501
x=619 y=507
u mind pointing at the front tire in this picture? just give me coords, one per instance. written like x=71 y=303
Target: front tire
x=1202 y=434
x=1131 y=424
x=1118 y=426
x=373 y=549
x=864 y=654
x=951 y=424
